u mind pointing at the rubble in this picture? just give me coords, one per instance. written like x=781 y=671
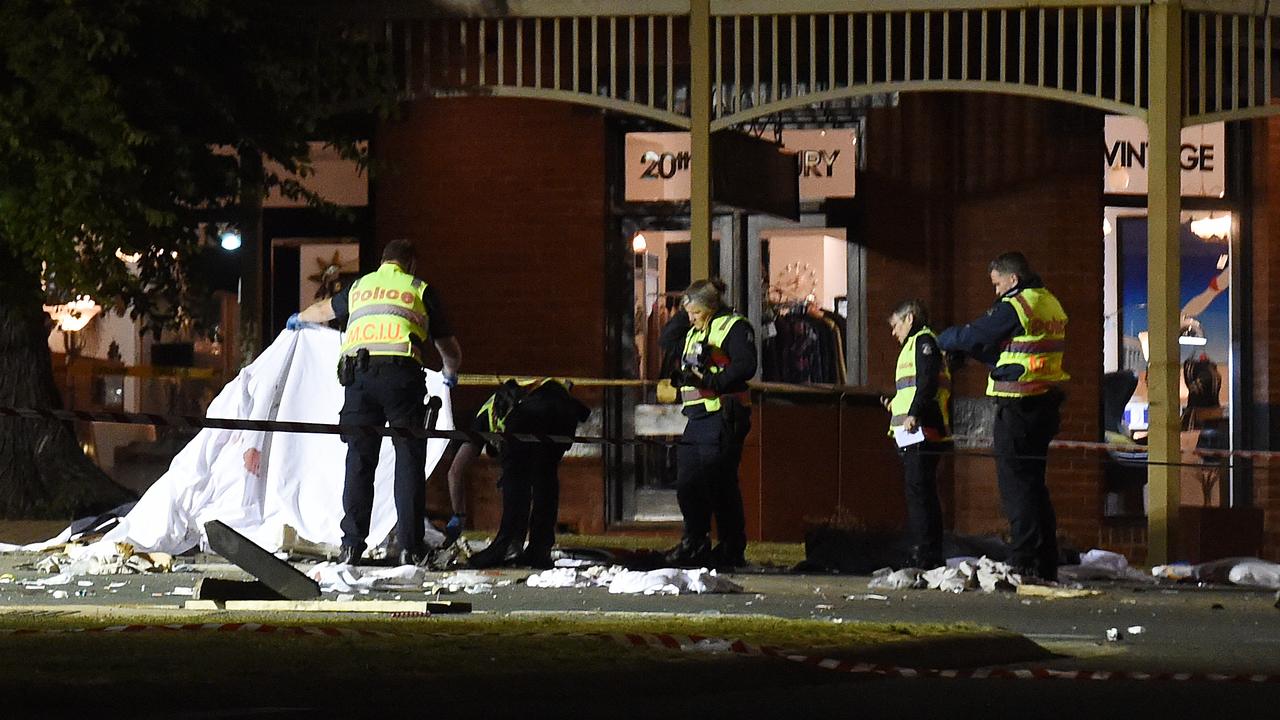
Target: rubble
x=619 y=580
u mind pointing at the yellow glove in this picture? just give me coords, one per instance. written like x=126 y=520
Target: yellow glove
x=666 y=392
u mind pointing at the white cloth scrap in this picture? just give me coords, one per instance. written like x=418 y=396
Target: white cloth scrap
x=619 y=580
x=343 y=578
x=982 y=574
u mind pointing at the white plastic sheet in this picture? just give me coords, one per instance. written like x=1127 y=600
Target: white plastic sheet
x=302 y=473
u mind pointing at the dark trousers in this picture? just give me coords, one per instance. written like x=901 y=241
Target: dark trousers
x=1024 y=428
x=530 y=496
x=391 y=393
x=707 y=475
x=924 y=510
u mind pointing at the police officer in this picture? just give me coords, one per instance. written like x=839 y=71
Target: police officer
x=389 y=315
x=1022 y=337
x=530 y=478
x=920 y=403
x=718 y=358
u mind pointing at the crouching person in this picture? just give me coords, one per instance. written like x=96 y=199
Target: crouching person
x=530 y=479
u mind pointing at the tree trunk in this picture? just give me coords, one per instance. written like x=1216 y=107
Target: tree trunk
x=43 y=471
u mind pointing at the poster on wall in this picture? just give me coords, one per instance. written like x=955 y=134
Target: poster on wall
x=1205 y=331
x=326 y=268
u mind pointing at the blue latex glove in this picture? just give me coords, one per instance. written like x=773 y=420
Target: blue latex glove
x=450 y=381
x=453 y=529
x=293 y=323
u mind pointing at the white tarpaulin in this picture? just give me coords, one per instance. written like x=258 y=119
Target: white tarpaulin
x=301 y=475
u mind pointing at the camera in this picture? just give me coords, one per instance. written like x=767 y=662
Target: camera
x=692 y=365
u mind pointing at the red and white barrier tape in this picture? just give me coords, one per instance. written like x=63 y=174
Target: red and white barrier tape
x=738 y=647
x=702 y=644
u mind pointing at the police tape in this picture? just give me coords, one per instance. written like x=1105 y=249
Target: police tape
x=688 y=643
x=695 y=643
x=1124 y=453
x=288 y=426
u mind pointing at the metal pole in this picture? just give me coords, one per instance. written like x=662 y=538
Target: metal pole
x=1164 y=202
x=700 y=145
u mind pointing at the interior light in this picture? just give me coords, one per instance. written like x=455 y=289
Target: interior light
x=639 y=244
x=1209 y=228
x=230 y=240
x=1191 y=340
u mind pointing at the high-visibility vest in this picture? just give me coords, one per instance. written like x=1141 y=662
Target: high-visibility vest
x=496 y=414
x=386 y=314
x=905 y=381
x=1038 y=349
x=707 y=344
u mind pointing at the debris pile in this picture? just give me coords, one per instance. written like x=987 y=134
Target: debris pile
x=619 y=580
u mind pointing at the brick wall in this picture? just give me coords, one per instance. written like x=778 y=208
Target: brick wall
x=954 y=180
x=1264 y=324
x=505 y=200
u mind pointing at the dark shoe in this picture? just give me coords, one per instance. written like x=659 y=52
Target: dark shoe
x=413 y=557
x=350 y=555
x=926 y=559
x=497 y=554
x=728 y=558
x=691 y=553
x=536 y=559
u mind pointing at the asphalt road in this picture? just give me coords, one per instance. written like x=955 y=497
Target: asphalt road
x=1185 y=629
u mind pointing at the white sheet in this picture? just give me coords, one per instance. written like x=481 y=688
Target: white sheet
x=303 y=472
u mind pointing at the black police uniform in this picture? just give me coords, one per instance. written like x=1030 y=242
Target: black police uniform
x=530 y=479
x=1024 y=427
x=920 y=461
x=391 y=390
x=711 y=449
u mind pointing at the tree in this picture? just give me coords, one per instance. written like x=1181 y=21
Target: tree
x=123 y=127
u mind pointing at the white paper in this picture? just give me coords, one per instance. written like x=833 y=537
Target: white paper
x=907 y=439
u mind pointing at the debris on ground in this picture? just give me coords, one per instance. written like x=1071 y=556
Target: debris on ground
x=74 y=559
x=619 y=580
x=1245 y=571
x=1102 y=565
x=1050 y=592
x=984 y=573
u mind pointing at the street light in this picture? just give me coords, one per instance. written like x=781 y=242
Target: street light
x=230 y=239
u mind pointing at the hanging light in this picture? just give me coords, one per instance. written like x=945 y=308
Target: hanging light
x=75 y=315
x=1212 y=228
x=127 y=258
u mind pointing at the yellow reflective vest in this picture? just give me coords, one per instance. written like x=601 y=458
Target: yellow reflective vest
x=1039 y=349
x=386 y=314
x=705 y=345
x=905 y=382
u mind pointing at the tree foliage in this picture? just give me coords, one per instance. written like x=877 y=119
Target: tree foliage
x=124 y=124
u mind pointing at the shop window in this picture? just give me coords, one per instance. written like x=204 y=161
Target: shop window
x=1205 y=341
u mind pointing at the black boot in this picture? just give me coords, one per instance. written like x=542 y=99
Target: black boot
x=728 y=557
x=536 y=558
x=500 y=552
x=413 y=557
x=691 y=553
x=350 y=555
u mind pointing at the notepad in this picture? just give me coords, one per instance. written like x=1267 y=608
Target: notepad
x=907 y=439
